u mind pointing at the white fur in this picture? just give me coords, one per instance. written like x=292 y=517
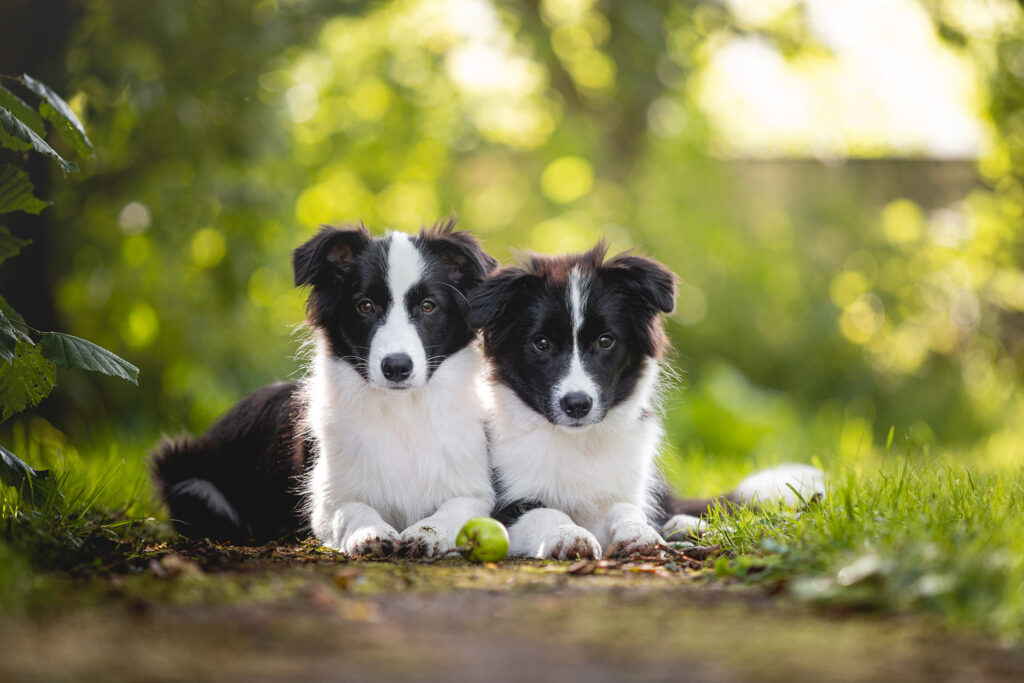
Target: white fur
x=403 y=456
x=207 y=492
x=398 y=334
x=551 y=533
x=396 y=466
x=773 y=484
x=577 y=378
x=586 y=475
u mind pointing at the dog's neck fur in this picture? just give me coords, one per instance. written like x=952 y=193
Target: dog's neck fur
x=403 y=454
x=579 y=472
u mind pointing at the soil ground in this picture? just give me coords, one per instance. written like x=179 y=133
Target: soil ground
x=200 y=612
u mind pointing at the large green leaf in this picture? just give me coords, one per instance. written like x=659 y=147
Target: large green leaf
x=10 y=245
x=72 y=352
x=55 y=110
x=17 y=136
x=32 y=483
x=16 y=192
x=22 y=110
x=26 y=380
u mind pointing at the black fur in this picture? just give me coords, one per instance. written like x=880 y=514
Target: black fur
x=347 y=267
x=256 y=453
x=517 y=306
x=253 y=454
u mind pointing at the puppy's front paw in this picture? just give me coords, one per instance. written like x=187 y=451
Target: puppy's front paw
x=569 y=542
x=424 y=542
x=634 y=537
x=683 y=527
x=372 y=541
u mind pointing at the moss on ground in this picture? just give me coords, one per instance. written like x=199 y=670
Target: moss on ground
x=216 y=612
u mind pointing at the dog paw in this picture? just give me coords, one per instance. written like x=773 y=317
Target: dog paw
x=372 y=541
x=684 y=527
x=628 y=538
x=569 y=542
x=424 y=542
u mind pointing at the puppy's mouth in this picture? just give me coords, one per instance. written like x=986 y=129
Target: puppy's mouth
x=574 y=425
x=397 y=387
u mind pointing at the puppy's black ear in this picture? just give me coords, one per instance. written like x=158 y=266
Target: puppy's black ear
x=651 y=282
x=327 y=254
x=489 y=300
x=465 y=260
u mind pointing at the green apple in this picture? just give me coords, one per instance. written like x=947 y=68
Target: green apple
x=483 y=539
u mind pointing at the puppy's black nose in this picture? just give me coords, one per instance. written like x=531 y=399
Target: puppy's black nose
x=396 y=367
x=576 y=404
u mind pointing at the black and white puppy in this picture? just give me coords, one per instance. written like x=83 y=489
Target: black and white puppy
x=386 y=432
x=574 y=345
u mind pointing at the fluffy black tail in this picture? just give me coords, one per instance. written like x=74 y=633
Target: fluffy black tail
x=197 y=507
x=238 y=482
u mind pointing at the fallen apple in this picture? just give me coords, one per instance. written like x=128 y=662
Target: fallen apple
x=483 y=539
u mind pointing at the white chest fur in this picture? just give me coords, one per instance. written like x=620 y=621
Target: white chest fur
x=582 y=473
x=403 y=454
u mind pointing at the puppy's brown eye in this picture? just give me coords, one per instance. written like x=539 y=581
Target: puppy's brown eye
x=428 y=306
x=542 y=343
x=605 y=341
x=365 y=306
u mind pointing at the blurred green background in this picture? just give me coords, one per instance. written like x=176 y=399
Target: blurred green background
x=842 y=196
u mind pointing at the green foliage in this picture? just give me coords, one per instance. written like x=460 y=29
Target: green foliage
x=21 y=110
x=27 y=370
x=833 y=295
x=55 y=110
x=9 y=244
x=71 y=352
x=18 y=136
x=32 y=484
x=16 y=194
x=942 y=538
x=25 y=380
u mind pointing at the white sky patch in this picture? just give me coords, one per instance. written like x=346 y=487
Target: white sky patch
x=889 y=88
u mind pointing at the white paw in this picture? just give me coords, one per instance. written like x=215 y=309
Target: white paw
x=634 y=537
x=683 y=527
x=372 y=541
x=569 y=542
x=425 y=541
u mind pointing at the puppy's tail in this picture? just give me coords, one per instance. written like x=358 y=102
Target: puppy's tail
x=789 y=483
x=198 y=507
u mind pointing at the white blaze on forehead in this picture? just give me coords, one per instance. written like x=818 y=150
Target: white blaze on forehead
x=577 y=378
x=398 y=334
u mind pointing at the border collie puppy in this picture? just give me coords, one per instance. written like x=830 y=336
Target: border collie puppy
x=574 y=346
x=386 y=433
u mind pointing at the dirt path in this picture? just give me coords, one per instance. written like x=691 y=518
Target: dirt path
x=247 y=616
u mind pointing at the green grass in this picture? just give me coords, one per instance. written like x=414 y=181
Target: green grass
x=96 y=512
x=895 y=533
x=939 y=537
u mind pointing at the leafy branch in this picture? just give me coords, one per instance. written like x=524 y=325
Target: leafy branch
x=29 y=357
